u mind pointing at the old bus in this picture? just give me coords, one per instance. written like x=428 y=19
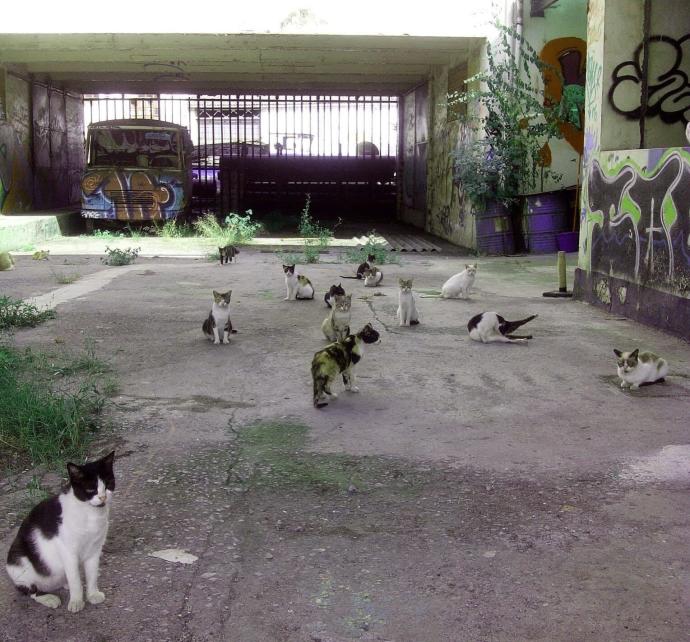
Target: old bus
x=136 y=170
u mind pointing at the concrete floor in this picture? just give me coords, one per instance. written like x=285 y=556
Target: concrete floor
x=497 y=492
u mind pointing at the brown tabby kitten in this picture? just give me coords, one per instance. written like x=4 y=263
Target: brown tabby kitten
x=228 y=253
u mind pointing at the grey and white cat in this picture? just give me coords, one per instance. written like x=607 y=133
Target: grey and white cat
x=490 y=327
x=458 y=285
x=298 y=286
x=219 y=317
x=637 y=368
x=407 y=310
x=62 y=534
x=372 y=276
x=336 y=326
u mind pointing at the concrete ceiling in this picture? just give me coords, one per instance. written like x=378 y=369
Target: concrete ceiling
x=194 y=63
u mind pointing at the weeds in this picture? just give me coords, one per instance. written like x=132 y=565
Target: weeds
x=372 y=246
x=114 y=256
x=50 y=406
x=236 y=229
x=171 y=229
x=316 y=237
x=65 y=278
x=14 y=313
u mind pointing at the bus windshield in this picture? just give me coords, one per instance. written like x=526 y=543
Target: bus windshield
x=134 y=147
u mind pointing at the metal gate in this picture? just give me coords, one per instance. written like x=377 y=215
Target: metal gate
x=243 y=126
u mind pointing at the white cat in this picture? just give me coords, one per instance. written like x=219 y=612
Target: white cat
x=298 y=286
x=407 y=311
x=490 y=327
x=458 y=285
x=372 y=277
x=219 y=317
x=637 y=368
x=63 y=533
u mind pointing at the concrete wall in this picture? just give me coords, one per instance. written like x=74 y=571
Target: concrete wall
x=635 y=205
x=41 y=147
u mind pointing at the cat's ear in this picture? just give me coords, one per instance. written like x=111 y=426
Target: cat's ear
x=618 y=353
x=76 y=474
x=216 y=294
x=467 y=266
x=107 y=461
x=634 y=353
x=475 y=266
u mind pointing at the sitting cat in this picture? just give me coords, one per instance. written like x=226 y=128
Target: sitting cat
x=6 y=261
x=40 y=255
x=336 y=326
x=298 y=286
x=458 y=285
x=362 y=266
x=372 y=277
x=637 y=368
x=339 y=358
x=332 y=292
x=63 y=533
x=219 y=317
x=407 y=311
x=228 y=253
x=489 y=327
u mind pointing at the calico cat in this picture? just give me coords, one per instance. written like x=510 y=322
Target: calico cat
x=458 y=285
x=362 y=266
x=298 y=286
x=339 y=358
x=228 y=253
x=489 y=327
x=336 y=326
x=6 y=261
x=407 y=311
x=637 y=368
x=332 y=292
x=372 y=277
x=63 y=533
x=219 y=317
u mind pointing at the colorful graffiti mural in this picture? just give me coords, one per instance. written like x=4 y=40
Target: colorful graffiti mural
x=668 y=90
x=134 y=195
x=638 y=214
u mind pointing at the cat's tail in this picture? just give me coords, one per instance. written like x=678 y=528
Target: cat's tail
x=342 y=276
x=508 y=327
x=325 y=298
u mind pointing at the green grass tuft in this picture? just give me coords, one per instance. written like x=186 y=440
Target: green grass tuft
x=14 y=313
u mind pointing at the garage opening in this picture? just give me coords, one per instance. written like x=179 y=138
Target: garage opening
x=266 y=152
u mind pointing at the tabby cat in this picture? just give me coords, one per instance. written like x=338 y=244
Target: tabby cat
x=407 y=310
x=219 y=317
x=372 y=277
x=336 y=326
x=228 y=253
x=339 y=358
x=63 y=533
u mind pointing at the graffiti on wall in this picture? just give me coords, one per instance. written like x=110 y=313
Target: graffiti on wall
x=567 y=88
x=640 y=218
x=15 y=187
x=134 y=195
x=668 y=89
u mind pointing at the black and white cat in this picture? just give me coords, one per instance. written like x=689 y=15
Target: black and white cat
x=62 y=534
x=219 y=317
x=489 y=327
x=298 y=286
x=334 y=290
x=365 y=265
x=637 y=368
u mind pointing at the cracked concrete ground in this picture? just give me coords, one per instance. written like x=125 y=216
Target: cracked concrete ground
x=469 y=492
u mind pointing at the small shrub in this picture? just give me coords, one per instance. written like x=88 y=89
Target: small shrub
x=114 y=256
x=316 y=236
x=372 y=246
x=14 y=313
x=236 y=229
x=65 y=278
x=172 y=229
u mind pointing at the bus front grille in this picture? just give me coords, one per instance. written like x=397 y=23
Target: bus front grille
x=125 y=197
